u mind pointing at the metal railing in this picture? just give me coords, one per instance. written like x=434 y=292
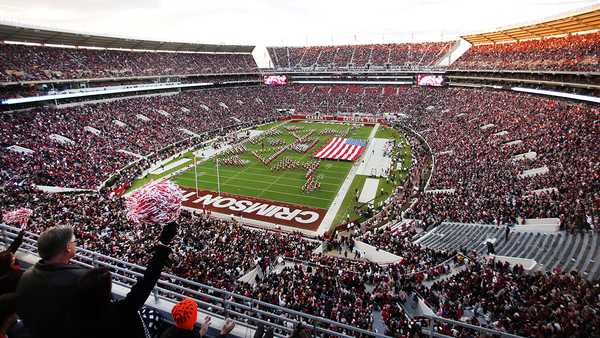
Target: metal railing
x=433 y=319
x=245 y=311
x=221 y=303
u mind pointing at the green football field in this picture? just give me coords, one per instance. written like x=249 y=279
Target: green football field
x=257 y=180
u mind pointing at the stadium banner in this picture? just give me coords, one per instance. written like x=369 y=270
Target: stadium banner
x=275 y=212
x=371 y=119
x=361 y=119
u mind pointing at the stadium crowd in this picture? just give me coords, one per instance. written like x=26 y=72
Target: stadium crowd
x=488 y=293
x=104 y=137
x=476 y=137
x=359 y=56
x=467 y=131
x=577 y=52
x=217 y=253
x=320 y=291
x=569 y=53
x=26 y=63
x=471 y=134
x=505 y=297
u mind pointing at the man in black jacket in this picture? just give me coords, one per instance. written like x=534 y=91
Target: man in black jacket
x=46 y=291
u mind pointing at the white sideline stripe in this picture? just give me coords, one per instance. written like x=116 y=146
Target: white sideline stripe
x=336 y=204
x=170 y=166
x=369 y=190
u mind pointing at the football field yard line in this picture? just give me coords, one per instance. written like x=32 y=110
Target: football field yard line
x=191 y=180
x=252 y=181
x=280 y=174
x=273 y=191
x=331 y=167
x=238 y=176
x=298 y=176
x=270 y=185
x=229 y=169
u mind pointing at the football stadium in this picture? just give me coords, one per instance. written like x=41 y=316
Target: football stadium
x=223 y=169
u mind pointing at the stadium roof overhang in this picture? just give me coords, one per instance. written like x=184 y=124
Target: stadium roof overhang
x=10 y=32
x=582 y=20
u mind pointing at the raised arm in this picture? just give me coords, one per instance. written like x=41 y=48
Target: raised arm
x=14 y=246
x=136 y=298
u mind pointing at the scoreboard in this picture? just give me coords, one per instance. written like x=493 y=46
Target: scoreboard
x=275 y=80
x=430 y=80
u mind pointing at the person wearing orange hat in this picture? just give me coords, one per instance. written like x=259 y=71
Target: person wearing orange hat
x=185 y=314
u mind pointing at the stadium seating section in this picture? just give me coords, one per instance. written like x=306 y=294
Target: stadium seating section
x=359 y=56
x=551 y=250
x=24 y=63
x=91 y=158
x=572 y=53
x=474 y=134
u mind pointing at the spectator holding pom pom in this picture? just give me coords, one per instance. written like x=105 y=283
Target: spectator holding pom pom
x=97 y=315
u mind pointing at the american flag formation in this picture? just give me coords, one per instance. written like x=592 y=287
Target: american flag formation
x=340 y=148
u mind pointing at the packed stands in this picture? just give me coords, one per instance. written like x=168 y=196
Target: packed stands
x=205 y=241
x=484 y=162
x=425 y=54
x=320 y=292
x=494 y=126
x=506 y=298
x=27 y=63
x=570 y=53
x=477 y=136
x=468 y=132
x=123 y=131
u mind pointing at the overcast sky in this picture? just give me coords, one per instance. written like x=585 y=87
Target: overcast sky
x=282 y=22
